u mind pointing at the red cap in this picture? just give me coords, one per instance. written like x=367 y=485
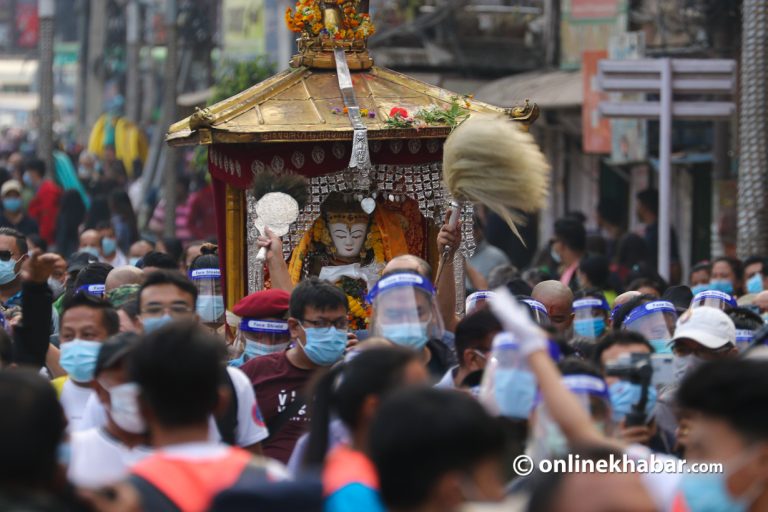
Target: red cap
x=264 y=304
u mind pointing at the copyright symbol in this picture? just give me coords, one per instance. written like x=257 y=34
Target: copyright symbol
x=523 y=465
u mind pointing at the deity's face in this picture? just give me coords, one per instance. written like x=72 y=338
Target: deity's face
x=348 y=238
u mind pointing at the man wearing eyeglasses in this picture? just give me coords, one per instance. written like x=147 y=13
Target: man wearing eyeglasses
x=318 y=327
x=168 y=296
x=13 y=252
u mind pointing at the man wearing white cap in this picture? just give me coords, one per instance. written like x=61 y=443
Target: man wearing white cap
x=702 y=334
x=14 y=215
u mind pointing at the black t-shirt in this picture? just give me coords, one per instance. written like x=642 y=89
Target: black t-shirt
x=26 y=226
x=652 y=240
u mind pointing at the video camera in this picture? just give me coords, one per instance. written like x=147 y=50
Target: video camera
x=635 y=368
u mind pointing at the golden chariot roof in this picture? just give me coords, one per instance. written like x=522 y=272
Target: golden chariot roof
x=305 y=104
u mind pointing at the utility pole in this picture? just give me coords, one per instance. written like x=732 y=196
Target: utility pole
x=94 y=86
x=45 y=12
x=170 y=115
x=753 y=132
x=133 y=75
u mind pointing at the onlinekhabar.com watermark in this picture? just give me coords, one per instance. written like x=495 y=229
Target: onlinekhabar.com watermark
x=524 y=465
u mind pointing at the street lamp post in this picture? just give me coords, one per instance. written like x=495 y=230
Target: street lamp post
x=46 y=10
x=170 y=116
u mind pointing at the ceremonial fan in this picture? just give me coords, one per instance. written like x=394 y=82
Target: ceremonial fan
x=278 y=201
x=493 y=161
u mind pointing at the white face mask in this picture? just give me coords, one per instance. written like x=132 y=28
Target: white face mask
x=124 y=408
x=683 y=365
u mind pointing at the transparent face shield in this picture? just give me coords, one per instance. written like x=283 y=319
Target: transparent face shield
x=714 y=299
x=262 y=337
x=547 y=440
x=477 y=301
x=210 y=302
x=538 y=312
x=744 y=338
x=405 y=310
x=591 y=316
x=656 y=321
x=93 y=289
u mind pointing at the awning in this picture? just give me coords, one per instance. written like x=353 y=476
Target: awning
x=548 y=89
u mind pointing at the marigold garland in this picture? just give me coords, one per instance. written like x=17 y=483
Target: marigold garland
x=307 y=17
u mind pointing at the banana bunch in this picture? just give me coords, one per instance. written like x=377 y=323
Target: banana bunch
x=129 y=140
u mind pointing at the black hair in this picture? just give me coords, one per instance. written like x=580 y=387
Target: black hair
x=31 y=428
x=633 y=249
x=734 y=263
x=621 y=338
x=162 y=277
x=342 y=392
x=611 y=211
x=502 y=275
x=35 y=165
x=131 y=308
x=650 y=199
x=546 y=487
x=104 y=224
x=208 y=258
x=84 y=299
x=589 y=293
x=419 y=435
x=596 y=268
x=730 y=390
x=571 y=233
x=93 y=273
x=318 y=294
x=646 y=282
x=180 y=368
x=159 y=260
x=577 y=216
x=701 y=266
x=21 y=240
x=472 y=330
x=6 y=349
x=597 y=244
x=174 y=247
x=757 y=259
x=744 y=318
x=98 y=212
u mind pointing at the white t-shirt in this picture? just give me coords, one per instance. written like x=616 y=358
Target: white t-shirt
x=250 y=424
x=73 y=399
x=662 y=486
x=98 y=459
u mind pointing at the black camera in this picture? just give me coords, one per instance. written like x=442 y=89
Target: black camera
x=636 y=369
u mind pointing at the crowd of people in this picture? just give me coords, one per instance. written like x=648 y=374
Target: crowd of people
x=127 y=385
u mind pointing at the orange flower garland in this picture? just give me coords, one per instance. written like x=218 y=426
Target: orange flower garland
x=307 y=17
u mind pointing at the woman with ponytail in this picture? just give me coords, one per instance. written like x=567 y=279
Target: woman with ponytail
x=351 y=392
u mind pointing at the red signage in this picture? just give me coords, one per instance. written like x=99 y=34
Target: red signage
x=594 y=9
x=596 y=130
x=27 y=24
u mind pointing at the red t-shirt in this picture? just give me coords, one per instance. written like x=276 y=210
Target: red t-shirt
x=278 y=383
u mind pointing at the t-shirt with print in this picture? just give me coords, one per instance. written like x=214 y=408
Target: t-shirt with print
x=250 y=427
x=98 y=459
x=278 y=383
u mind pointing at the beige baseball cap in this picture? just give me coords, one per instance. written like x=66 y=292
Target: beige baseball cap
x=707 y=326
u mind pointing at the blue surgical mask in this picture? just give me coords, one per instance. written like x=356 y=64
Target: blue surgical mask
x=411 y=335
x=8 y=271
x=12 y=204
x=722 y=286
x=133 y=261
x=256 y=349
x=210 y=308
x=108 y=246
x=78 y=358
x=93 y=251
x=554 y=255
x=156 y=322
x=755 y=283
x=625 y=394
x=661 y=346
x=324 y=345
x=707 y=492
x=589 y=327
x=514 y=390
x=27 y=179
x=695 y=290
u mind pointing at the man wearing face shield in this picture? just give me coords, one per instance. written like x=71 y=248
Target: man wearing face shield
x=205 y=274
x=102 y=455
x=405 y=312
x=591 y=315
x=655 y=320
x=714 y=299
x=263 y=328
